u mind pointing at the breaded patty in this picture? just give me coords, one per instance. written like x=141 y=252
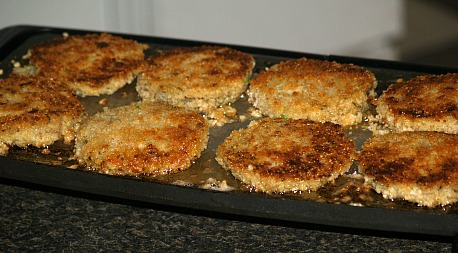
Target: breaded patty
x=91 y=64
x=142 y=138
x=36 y=111
x=312 y=89
x=201 y=78
x=424 y=103
x=281 y=155
x=420 y=167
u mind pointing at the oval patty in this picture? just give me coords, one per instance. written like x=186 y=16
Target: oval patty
x=424 y=103
x=421 y=167
x=91 y=64
x=279 y=155
x=201 y=78
x=141 y=139
x=312 y=89
x=36 y=110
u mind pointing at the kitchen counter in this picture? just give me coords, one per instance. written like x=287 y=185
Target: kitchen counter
x=38 y=219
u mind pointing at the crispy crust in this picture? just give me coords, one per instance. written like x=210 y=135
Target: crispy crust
x=91 y=64
x=201 y=78
x=141 y=139
x=313 y=89
x=280 y=155
x=424 y=103
x=36 y=111
x=421 y=167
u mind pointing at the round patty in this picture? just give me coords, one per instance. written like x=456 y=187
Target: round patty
x=36 y=111
x=201 y=78
x=91 y=64
x=424 y=103
x=421 y=167
x=280 y=155
x=142 y=138
x=312 y=89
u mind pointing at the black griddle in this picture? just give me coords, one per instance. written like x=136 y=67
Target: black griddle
x=14 y=42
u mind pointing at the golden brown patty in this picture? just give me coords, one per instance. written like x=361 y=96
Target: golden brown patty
x=36 y=111
x=313 y=89
x=142 y=138
x=421 y=167
x=279 y=155
x=201 y=78
x=91 y=64
x=424 y=103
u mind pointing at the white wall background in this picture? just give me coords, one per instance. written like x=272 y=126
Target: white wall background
x=364 y=28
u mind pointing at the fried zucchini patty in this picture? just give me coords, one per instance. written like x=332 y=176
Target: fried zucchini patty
x=281 y=155
x=91 y=64
x=199 y=78
x=36 y=111
x=141 y=139
x=420 y=167
x=424 y=103
x=312 y=89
